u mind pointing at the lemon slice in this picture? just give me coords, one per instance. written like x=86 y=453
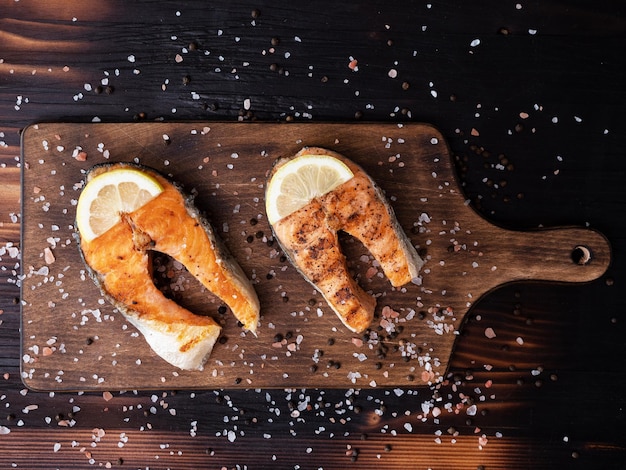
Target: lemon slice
x=110 y=194
x=295 y=183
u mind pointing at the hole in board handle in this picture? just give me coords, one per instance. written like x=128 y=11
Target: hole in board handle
x=581 y=255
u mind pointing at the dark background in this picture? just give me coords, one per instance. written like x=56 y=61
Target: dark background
x=530 y=97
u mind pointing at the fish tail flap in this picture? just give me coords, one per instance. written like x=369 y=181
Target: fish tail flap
x=184 y=346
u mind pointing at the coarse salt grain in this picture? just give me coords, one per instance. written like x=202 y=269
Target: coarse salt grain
x=48 y=255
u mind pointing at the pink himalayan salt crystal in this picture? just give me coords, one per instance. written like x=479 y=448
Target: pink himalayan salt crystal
x=489 y=333
x=388 y=312
x=48 y=256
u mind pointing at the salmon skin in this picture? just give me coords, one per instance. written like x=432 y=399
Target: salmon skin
x=119 y=262
x=309 y=239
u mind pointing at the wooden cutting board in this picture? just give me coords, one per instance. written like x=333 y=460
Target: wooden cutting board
x=74 y=340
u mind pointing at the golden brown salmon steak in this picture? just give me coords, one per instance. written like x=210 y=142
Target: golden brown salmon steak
x=119 y=262
x=308 y=235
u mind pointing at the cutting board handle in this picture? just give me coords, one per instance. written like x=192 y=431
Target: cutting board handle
x=555 y=254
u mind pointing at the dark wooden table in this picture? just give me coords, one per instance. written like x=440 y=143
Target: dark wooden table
x=530 y=97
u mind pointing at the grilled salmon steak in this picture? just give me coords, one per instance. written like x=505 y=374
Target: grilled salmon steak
x=308 y=236
x=119 y=261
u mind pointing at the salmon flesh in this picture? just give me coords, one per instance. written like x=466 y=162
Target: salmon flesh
x=358 y=207
x=119 y=262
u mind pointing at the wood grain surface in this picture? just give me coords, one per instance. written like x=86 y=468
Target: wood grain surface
x=529 y=98
x=72 y=340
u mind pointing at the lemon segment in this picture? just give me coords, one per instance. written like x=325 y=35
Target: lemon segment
x=297 y=182
x=108 y=195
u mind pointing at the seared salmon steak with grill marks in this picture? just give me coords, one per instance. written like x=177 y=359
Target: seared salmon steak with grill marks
x=308 y=236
